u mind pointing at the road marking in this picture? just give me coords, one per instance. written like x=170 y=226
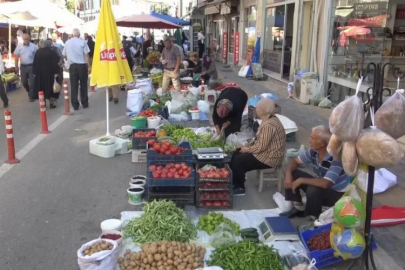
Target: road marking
x=34 y=142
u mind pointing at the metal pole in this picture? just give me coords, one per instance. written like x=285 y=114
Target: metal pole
x=108 y=112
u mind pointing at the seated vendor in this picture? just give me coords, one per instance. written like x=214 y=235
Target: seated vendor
x=209 y=70
x=267 y=151
x=228 y=110
x=323 y=189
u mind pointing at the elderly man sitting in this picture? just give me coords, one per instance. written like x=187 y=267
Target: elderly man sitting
x=323 y=189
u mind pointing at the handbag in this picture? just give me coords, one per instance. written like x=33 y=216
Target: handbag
x=56 y=86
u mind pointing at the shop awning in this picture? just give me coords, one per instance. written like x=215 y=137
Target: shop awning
x=170 y=19
x=146 y=21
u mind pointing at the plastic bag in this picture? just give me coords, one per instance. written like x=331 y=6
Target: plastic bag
x=284 y=205
x=134 y=101
x=56 y=86
x=203 y=106
x=254 y=100
x=103 y=260
x=297 y=261
x=349 y=158
x=181 y=101
x=155 y=71
x=383 y=179
x=347 y=119
x=240 y=138
x=194 y=90
x=325 y=103
x=390 y=117
x=145 y=85
x=325 y=218
x=222 y=236
x=269 y=96
x=377 y=148
x=346 y=242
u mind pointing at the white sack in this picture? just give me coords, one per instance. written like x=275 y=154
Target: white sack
x=103 y=260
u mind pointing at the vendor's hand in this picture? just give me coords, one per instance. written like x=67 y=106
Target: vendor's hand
x=288 y=181
x=244 y=149
x=226 y=124
x=296 y=184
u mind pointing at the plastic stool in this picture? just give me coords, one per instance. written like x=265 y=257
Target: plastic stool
x=210 y=94
x=275 y=175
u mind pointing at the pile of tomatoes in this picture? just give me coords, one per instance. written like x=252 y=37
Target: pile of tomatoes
x=183 y=87
x=165 y=148
x=215 y=195
x=214 y=203
x=319 y=241
x=213 y=173
x=213 y=186
x=171 y=170
x=145 y=134
x=147 y=113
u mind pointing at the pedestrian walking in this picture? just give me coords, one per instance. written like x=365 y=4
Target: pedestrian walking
x=3 y=51
x=201 y=45
x=91 y=44
x=171 y=63
x=46 y=69
x=76 y=52
x=24 y=55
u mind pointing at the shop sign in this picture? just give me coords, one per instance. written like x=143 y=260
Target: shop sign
x=225 y=45
x=236 y=48
x=226 y=8
x=374 y=8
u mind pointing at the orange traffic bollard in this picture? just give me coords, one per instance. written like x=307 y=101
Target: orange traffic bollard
x=42 y=109
x=10 y=138
x=66 y=96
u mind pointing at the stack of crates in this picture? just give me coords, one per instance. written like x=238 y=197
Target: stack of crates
x=179 y=190
x=139 y=145
x=214 y=193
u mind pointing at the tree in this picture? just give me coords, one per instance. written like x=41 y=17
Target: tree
x=162 y=8
x=70 y=5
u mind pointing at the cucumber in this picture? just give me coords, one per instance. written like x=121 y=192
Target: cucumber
x=250 y=235
x=248 y=230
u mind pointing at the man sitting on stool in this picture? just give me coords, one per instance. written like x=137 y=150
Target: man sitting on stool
x=323 y=189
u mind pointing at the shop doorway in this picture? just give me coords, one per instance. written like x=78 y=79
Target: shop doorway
x=288 y=40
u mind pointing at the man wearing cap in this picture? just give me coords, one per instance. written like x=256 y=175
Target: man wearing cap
x=228 y=110
x=24 y=54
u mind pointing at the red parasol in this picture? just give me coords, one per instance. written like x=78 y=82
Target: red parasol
x=146 y=21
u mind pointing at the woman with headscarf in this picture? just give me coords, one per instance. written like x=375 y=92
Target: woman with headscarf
x=209 y=70
x=266 y=151
x=45 y=69
x=228 y=110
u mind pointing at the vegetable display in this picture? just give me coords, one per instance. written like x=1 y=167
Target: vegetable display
x=320 y=241
x=180 y=134
x=165 y=148
x=161 y=221
x=171 y=170
x=141 y=134
x=170 y=129
x=246 y=255
x=147 y=113
x=213 y=173
x=97 y=247
x=164 y=256
x=250 y=234
x=211 y=221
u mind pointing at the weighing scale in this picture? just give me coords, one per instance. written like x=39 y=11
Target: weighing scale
x=210 y=153
x=278 y=229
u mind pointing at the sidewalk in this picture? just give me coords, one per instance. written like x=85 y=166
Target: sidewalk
x=391 y=239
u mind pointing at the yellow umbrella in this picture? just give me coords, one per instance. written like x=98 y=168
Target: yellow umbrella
x=110 y=67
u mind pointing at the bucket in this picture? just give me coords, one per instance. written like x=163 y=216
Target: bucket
x=135 y=195
x=137 y=183
x=195 y=114
x=111 y=225
x=153 y=121
x=138 y=122
x=105 y=234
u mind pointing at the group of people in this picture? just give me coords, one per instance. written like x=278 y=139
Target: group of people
x=324 y=187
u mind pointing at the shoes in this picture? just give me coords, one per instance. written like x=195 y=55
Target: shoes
x=293 y=213
x=122 y=88
x=116 y=100
x=5 y=105
x=31 y=100
x=85 y=106
x=110 y=99
x=76 y=108
x=52 y=103
x=238 y=191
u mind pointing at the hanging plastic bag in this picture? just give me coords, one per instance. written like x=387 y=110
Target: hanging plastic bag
x=134 y=101
x=390 y=117
x=56 y=86
x=349 y=158
x=325 y=103
x=102 y=260
x=203 y=106
x=347 y=119
x=222 y=236
x=346 y=242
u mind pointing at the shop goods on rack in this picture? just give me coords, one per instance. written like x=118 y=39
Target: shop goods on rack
x=214 y=187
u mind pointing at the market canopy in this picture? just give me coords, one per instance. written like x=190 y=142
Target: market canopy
x=170 y=19
x=146 y=21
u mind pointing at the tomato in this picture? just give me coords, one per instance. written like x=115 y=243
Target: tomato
x=164 y=175
x=159 y=168
x=151 y=143
x=176 y=176
x=165 y=170
x=156 y=147
x=177 y=166
x=180 y=171
x=217 y=204
x=152 y=167
x=172 y=170
x=173 y=150
x=170 y=175
x=155 y=175
x=203 y=175
x=186 y=174
x=168 y=152
x=225 y=203
x=210 y=175
x=208 y=203
x=225 y=174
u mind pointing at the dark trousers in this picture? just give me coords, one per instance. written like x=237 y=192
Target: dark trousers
x=3 y=94
x=28 y=80
x=241 y=164
x=201 y=49
x=78 y=74
x=316 y=197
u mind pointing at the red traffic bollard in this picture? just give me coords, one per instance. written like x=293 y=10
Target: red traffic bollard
x=66 y=96
x=42 y=109
x=10 y=138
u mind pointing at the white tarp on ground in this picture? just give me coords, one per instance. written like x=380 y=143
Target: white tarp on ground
x=245 y=218
x=289 y=125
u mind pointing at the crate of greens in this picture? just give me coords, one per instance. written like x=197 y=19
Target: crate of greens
x=140 y=136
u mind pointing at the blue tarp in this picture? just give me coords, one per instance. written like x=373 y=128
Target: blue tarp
x=170 y=19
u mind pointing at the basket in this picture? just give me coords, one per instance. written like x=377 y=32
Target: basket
x=170 y=182
x=140 y=143
x=179 y=195
x=156 y=158
x=139 y=122
x=323 y=257
x=139 y=156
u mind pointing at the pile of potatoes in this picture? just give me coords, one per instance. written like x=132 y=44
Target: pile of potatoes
x=97 y=247
x=164 y=256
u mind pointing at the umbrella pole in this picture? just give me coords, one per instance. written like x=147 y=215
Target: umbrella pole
x=108 y=112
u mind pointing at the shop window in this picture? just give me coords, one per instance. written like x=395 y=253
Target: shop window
x=274 y=38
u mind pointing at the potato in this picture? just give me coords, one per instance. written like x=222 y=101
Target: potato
x=176 y=263
x=163 y=248
x=145 y=247
x=145 y=260
x=153 y=268
x=157 y=257
x=128 y=251
x=195 y=265
x=141 y=268
x=161 y=267
x=149 y=259
x=153 y=249
x=170 y=255
x=181 y=267
x=177 y=252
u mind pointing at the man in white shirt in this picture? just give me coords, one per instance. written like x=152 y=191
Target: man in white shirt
x=76 y=51
x=3 y=51
x=201 y=46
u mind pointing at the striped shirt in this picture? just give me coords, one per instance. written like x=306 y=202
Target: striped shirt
x=329 y=169
x=269 y=146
